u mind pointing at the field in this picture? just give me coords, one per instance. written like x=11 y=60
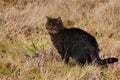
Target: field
x=26 y=52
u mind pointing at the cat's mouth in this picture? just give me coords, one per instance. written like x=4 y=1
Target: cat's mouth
x=52 y=30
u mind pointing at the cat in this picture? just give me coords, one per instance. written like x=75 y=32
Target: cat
x=74 y=43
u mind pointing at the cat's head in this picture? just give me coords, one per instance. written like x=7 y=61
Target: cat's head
x=54 y=25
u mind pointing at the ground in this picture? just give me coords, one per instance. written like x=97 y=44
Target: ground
x=26 y=52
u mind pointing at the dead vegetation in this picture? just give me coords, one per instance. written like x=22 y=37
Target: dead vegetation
x=26 y=52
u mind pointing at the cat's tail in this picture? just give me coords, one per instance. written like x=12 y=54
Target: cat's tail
x=103 y=61
x=106 y=61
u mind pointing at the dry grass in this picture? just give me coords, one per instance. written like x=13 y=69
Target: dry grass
x=26 y=52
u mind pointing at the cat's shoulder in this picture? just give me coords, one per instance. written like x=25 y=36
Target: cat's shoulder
x=77 y=30
x=80 y=31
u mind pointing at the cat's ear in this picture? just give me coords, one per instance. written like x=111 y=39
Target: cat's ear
x=47 y=18
x=59 y=19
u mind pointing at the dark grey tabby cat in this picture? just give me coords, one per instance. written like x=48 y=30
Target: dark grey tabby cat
x=75 y=43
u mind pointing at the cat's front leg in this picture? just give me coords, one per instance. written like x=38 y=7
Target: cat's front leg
x=66 y=59
x=62 y=56
x=62 y=52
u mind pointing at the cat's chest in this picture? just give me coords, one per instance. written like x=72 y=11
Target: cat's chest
x=57 y=39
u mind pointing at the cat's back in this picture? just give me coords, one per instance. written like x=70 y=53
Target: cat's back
x=82 y=35
x=79 y=31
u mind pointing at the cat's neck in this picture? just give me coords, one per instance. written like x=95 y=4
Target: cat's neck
x=56 y=31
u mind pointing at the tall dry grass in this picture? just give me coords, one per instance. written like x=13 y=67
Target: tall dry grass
x=26 y=52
